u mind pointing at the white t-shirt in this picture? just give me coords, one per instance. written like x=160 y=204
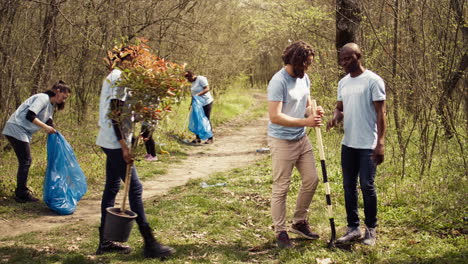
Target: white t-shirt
x=293 y=93
x=21 y=128
x=360 y=119
x=197 y=86
x=106 y=137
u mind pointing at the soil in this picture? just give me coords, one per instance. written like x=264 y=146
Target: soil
x=233 y=147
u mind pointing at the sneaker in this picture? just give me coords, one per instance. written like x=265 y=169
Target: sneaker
x=302 y=228
x=25 y=196
x=282 y=240
x=209 y=141
x=352 y=234
x=151 y=158
x=147 y=156
x=370 y=237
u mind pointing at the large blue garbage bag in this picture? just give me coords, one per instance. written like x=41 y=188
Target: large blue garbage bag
x=65 y=182
x=199 y=123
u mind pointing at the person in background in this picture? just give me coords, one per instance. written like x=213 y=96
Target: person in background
x=33 y=114
x=114 y=138
x=289 y=108
x=150 y=146
x=200 y=88
x=361 y=104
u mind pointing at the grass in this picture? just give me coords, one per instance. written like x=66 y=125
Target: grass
x=421 y=219
x=232 y=224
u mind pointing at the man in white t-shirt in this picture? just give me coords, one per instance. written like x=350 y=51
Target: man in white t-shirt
x=361 y=103
x=289 y=104
x=201 y=88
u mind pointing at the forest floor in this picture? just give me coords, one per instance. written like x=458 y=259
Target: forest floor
x=234 y=146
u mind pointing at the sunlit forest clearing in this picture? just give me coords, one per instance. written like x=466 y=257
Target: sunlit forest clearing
x=419 y=48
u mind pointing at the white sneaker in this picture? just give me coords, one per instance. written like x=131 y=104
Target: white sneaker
x=370 y=237
x=352 y=233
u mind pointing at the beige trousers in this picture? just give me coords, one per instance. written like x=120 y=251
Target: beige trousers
x=285 y=155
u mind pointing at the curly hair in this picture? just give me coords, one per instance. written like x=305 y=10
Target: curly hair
x=297 y=53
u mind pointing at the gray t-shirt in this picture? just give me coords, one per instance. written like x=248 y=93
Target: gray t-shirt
x=198 y=85
x=106 y=136
x=360 y=118
x=21 y=128
x=293 y=92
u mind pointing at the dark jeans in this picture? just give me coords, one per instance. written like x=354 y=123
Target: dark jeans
x=149 y=143
x=356 y=162
x=23 y=154
x=207 y=109
x=115 y=173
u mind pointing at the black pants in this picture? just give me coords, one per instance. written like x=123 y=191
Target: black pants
x=147 y=135
x=357 y=164
x=207 y=109
x=23 y=154
x=115 y=173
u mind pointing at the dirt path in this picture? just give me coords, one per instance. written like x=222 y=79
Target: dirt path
x=233 y=148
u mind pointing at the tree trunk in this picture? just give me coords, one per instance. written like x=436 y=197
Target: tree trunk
x=454 y=77
x=8 y=77
x=394 y=90
x=47 y=39
x=348 y=19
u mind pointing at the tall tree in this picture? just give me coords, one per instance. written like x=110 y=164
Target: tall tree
x=348 y=19
x=48 y=37
x=450 y=84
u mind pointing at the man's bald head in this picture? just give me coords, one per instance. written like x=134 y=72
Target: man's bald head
x=352 y=47
x=350 y=59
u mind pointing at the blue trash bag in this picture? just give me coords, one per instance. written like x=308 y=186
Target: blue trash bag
x=65 y=182
x=199 y=123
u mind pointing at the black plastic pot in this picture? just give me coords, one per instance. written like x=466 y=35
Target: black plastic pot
x=118 y=225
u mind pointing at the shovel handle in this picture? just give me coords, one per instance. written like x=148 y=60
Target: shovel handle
x=318 y=132
x=325 y=179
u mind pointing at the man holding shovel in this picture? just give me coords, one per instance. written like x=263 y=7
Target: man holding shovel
x=361 y=103
x=289 y=106
x=115 y=138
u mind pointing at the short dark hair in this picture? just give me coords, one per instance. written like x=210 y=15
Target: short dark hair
x=297 y=53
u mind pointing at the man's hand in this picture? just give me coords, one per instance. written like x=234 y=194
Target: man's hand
x=313 y=121
x=378 y=154
x=332 y=123
x=337 y=116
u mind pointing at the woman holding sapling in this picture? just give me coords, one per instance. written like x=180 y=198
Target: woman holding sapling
x=115 y=138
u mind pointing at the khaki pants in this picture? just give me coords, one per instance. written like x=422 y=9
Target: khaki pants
x=285 y=155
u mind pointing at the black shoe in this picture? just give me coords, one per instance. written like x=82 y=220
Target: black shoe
x=302 y=228
x=209 y=141
x=106 y=246
x=111 y=246
x=152 y=248
x=25 y=196
x=282 y=240
x=196 y=141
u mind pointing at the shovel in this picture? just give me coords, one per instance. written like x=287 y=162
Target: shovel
x=331 y=243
